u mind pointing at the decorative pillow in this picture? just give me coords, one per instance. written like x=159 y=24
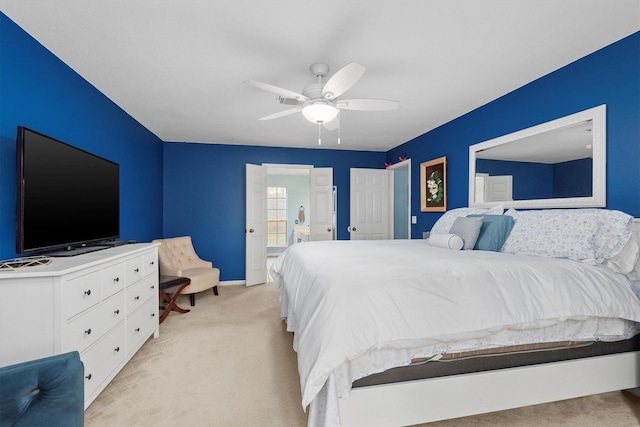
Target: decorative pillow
x=444 y=223
x=586 y=235
x=468 y=229
x=494 y=232
x=448 y=241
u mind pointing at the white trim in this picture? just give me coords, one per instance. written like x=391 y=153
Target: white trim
x=232 y=282
x=416 y=402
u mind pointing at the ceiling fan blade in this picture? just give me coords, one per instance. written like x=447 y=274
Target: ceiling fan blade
x=342 y=80
x=277 y=90
x=367 y=104
x=281 y=114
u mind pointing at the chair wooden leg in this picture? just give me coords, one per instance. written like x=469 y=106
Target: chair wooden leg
x=215 y=290
x=192 y=299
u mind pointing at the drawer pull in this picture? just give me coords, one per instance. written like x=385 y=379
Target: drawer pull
x=88 y=377
x=117 y=279
x=136 y=297
x=152 y=263
x=117 y=311
x=87 y=292
x=153 y=315
x=137 y=329
x=117 y=349
x=136 y=270
x=153 y=286
x=88 y=331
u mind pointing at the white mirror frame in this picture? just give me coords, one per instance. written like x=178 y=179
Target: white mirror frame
x=598 y=194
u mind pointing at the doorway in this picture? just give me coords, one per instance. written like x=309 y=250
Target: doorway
x=308 y=212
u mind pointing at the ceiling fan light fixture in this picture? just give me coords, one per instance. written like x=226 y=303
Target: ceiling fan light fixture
x=319 y=112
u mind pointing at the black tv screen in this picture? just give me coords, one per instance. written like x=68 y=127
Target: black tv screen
x=66 y=197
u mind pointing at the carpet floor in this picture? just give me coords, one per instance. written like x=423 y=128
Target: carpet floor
x=230 y=363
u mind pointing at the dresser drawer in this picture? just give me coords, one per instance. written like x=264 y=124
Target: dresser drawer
x=81 y=293
x=103 y=358
x=134 y=270
x=86 y=329
x=139 y=293
x=151 y=263
x=141 y=324
x=113 y=280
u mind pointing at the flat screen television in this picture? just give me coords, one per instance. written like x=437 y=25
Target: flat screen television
x=67 y=198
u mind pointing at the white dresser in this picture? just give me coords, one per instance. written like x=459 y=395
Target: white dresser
x=103 y=304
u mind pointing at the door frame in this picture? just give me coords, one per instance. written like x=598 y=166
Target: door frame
x=392 y=168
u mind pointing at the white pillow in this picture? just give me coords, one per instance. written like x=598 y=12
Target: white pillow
x=625 y=261
x=468 y=229
x=586 y=235
x=444 y=223
x=448 y=241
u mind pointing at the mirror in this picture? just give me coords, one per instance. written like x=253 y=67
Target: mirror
x=558 y=164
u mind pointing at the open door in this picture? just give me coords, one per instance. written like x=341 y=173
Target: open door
x=256 y=225
x=321 y=201
x=369 y=204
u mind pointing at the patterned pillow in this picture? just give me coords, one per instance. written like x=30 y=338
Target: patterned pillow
x=586 y=235
x=444 y=223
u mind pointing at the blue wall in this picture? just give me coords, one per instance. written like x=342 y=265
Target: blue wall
x=609 y=76
x=39 y=91
x=204 y=193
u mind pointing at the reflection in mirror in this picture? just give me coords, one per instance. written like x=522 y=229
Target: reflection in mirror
x=556 y=164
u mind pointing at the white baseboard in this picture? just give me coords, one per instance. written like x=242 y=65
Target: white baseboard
x=232 y=282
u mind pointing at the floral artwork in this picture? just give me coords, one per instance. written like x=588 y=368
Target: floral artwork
x=433 y=185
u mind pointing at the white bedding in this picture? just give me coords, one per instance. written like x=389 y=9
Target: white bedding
x=360 y=307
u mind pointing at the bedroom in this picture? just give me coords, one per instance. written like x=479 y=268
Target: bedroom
x=173 y=188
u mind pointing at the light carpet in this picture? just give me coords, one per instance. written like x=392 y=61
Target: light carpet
x=230 y=363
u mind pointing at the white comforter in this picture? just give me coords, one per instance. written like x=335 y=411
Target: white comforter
x=346 y=299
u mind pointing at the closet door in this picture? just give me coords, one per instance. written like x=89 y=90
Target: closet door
x=369 y=204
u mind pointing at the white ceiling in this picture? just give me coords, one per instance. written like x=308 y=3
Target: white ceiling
x=178 y=67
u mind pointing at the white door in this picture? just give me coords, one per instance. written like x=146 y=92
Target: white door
x=499 y=188
x=369 y=204
x=321 y=201
x=256 y=225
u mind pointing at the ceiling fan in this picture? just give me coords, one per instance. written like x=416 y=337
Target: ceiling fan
x=318 y=102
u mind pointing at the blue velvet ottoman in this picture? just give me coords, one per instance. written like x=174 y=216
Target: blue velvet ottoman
x=43 y=392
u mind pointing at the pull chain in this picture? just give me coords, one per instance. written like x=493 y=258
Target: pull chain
x=319 y=134
x=338 y=118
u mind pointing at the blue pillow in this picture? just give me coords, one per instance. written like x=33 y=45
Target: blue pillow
x=494 y=232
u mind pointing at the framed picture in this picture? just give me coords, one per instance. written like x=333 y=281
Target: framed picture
x=433 y=185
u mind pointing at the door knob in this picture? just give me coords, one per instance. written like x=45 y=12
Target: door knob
x=251 y=230
x=352 y=229
x=329 y=230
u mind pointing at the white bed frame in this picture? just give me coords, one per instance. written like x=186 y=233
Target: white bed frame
x=435 y=399
x=421 y=401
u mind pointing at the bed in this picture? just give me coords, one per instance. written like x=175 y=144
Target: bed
x=558 y=281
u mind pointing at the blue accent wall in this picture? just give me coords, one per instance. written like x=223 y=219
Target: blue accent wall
x=39 y=91
x=204 y=193
x=608 y=76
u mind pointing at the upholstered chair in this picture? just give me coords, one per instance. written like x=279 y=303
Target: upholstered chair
x=177 y=257
x=43 y=392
